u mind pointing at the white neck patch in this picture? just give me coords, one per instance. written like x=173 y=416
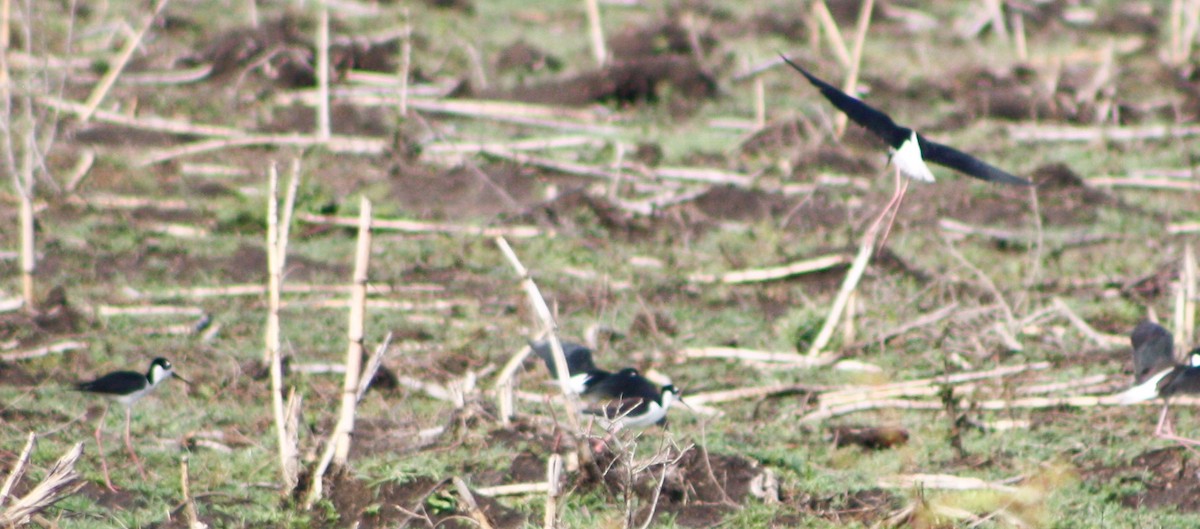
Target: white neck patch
x=158 y=374
x=908 y=160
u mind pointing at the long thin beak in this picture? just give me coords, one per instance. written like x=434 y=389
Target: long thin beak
x=180 y=377
x=684 y=402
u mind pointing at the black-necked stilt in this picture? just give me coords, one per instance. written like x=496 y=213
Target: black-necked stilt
x=1157 y=374
x=126 y=388
x=910 y=150
x=629 y=400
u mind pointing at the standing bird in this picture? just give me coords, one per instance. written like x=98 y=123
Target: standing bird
x=624 y=398
x=910 y=150
x=629 y=400
x=1157 y=374
x=126 y=388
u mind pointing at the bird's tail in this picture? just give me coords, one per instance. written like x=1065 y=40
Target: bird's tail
x=1145 y=391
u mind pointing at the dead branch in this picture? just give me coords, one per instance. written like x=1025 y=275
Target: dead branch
x=337 y=144
x=189 y=503
x=750 y=393
x=751 y=355
x=756 y=275
x=149 y=123
x=277 y=240
x=865 y=249
x=413 y=226
x=1025 y=240
x=940 y=482
x=467 y=500
x=118 y=64
x=1049 y=133
x=515 y=489
x=18 y=469
x=61 y=481
x=373 y=365
x=39 y=352
x=258 y=290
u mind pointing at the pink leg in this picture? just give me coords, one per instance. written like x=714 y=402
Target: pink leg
x=100 y=449
x=892 y=207
x=1166 y=430
x=129 y=444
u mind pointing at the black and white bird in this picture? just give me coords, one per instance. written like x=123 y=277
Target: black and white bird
x=1157 y=374
x=910 y=150
x=126 y=388
x=626 y=399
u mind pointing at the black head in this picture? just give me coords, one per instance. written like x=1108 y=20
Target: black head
x=1153 y=350
x=160 y=370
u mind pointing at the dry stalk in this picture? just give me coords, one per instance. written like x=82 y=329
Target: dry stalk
x=504 y=386
x=749 y=393
x=118 y=64
x=39 y=352
x=757 y=275
x=335 y=144
x=60 y=482
x=258 y=290
x=412 y=226
x=1019 y=43
x=277 y=240
x=405 y=65
x=987 y=283
x=1188 y=276
x=925 y=386
x=554 y=468
x=751 y=355
x=825 y=18
x=860 y=36
x=515 y=489
x=18 y=469
x=373 y=365
x=323 y=132
x=940 y=482
x=1080 y=133
x=189 y=503
x=1106 y=341
x=468 y=499
x=337 y=447
x=865 y=249
x=924 y=320
x=1176 y=228
x=151 y=123
x=356 y=329
x=596 y=31
x=1076 y=401
x=550 y=327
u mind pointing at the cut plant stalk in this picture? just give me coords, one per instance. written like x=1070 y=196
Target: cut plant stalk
x=277 y=240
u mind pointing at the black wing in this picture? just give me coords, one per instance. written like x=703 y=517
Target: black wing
x=116 y=383
x=1153 y=350
x=875 y=121
x=579 y=358
x=1183 y=380
x=965 y=163
x=624 y=384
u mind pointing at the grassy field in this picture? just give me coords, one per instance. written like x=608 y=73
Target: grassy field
x=648 y=173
